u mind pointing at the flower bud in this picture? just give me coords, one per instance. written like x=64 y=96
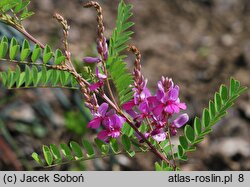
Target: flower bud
x=181 y=120
x=91 y=60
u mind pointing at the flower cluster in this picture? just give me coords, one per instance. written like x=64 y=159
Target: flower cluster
x=157 y=111
x=111 y=122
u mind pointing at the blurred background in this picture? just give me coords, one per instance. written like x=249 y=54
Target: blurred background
x=199 y=43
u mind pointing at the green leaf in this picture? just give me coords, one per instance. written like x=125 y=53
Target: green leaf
x=35 y=75
x=131 y=153
x=21 y=6
x=102 y=146
x=55 y=75
x=47 y=54
x=205 y=118
x=127 y=129
x=28 y=76
x=56 y=153
x=183 y=142
x=26 y=14
x=89 y=148
x=59 y=58
x=4 y=78
x=14 y=48
x=3 y=47
x=217 y=101
x=66 y=151
x=232 y=87
x=157 y=167
x=126 y=142
x=37 y=158
x=212 y=109
x=223 y=93
x=115 y=64
x=189 y=133
x=180 y=151
x=76 y=148
x=36 y=53
x=114 y=145
x=25 y=51
x=11 y=79
x=47 y=155
x=197 y=126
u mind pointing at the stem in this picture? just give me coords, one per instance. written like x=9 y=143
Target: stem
x=27 y=35
x=85 y=159
x=109 y=87
x=171 y=148
x=41 y=86
x=57 y=67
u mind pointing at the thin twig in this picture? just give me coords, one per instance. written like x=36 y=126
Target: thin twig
x=90 y=158
x=171 y=149
x=41 y=86
x=56 y=67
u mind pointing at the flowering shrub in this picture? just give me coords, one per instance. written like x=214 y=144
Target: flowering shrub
x=134 y=121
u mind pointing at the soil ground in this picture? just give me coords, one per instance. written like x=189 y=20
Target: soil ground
x=199 y=43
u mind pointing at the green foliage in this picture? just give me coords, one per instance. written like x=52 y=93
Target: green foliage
x=14 y=11
x=32 y=77
x=54 y=155
x=217 y=109
x=35 y=73
x=76 y=122
x=25 y=51
x=118 y=42
x=162 y=167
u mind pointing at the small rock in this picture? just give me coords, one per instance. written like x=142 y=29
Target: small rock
x=123 y=160
x=229 y=147
x=227 y=40
x=245 y=108
x=23 y=112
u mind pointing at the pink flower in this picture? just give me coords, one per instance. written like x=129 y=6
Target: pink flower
x=168 y=101
x=99 y=116
x=178 y=123
x=112 y=126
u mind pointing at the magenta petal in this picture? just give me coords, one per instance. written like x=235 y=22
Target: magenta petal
x=94 y=123
x=110 y=112
x=103 y=135
x=95 y=86
x=132 y=113
x=128 y=105
x=103 y=109
x=160 y=137
x=144 y=107
x=158 y=110
x=173 y=94
x=182 y=106
x=152 y=99
x=147 y=92
x=169 y=109
x=181 y=120
x=99 y=75
x=160 y=86
x=175 y=108
x=115 y=134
